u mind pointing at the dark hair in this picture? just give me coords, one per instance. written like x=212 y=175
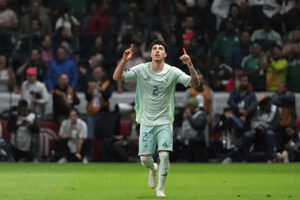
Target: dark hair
x=160 y=42
x=23 y=103
x=74 y=110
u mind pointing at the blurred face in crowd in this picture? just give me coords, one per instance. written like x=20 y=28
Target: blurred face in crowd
x=289 y=131
x=189 y=22
x=73 y=116
x=98 y=73
x=47 y=42
x=282 y=88
x=2 y=62
x=180 y=8
x=158 y=52
x=61 y=54
x=276 y=53
x=245 y=37
x=234 y=12
x=296 y=36
x=35 y=26
x=98 y=41
x=229 y=26
x=244 y=83
x=23 y=110
x=255 y=50
x=3 y=4
x=295 y=49
x=65 y=33
x=35 y=9
x=63 y=81
x=35 y=55
x=31 y=78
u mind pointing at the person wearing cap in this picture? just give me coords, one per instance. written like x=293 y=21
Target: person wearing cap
x=36 y=95
x=191 y=136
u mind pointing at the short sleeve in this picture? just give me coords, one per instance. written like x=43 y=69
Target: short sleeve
x=131 y=73
x=182 y=77
x=83 y=130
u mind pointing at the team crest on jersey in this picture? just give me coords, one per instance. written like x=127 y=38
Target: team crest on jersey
x=147 y=79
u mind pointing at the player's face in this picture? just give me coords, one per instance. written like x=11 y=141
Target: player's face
x=158 y=52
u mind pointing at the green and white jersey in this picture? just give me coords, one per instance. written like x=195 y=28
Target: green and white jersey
x=155 y=91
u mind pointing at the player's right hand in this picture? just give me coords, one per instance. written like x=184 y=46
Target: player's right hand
x=127 y=55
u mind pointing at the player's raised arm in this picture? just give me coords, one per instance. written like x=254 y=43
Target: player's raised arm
x=185 y=58
x=127 y=55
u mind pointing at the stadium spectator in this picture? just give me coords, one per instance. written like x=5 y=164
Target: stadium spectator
x=221 y=9
x=64 y=38
x=254 y=65
x=286 y=101
x=7 y=77
x=242 y=101
x=135 y=60
x=62 y=65
x=263 y=124
x=266 y=37
x=234 y=81
x=291 y=145
x=73 y=144
x=46 y=50
x=35 y=93
x=34 y=61
x=294 y=68
x=204 y=91
x=226 y=41
x=64 y=99
x=8 y=18
x=262 y=11
x=100 y=21
x=219 y=74
x=188 y=28
x=67 y=20
x=6 y=46
x=234 y=16
x=23 y=126
x=97 y=95
x=190 y=143
x=107 y=127
x=38 y=13
x=225 y=148
x=126 y=147
x=289 y=13
x=241 y=50
x=277 y=69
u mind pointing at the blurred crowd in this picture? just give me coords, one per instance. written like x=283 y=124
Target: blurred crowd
x=238 y=46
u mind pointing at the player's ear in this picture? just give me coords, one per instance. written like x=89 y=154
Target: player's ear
x=165 y=54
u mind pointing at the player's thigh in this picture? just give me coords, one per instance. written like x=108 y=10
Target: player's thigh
x=164 y=136
x=147 y=140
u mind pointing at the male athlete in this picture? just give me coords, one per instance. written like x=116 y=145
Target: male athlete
x=154 y=104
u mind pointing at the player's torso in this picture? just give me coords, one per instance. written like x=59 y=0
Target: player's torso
x=156 y=88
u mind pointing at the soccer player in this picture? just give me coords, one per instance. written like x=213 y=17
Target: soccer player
x=154 y=105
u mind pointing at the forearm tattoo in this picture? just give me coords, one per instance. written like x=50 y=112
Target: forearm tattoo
x=195 y=80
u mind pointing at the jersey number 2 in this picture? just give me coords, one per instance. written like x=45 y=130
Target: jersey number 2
x=155 y=91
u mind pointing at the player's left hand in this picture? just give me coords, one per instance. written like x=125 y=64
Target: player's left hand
x=185 y=58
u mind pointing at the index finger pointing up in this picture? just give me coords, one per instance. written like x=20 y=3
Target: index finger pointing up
x=184 y=51
x=131 y=46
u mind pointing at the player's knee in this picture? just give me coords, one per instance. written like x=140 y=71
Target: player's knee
x=147 y=161
x=163 y=156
